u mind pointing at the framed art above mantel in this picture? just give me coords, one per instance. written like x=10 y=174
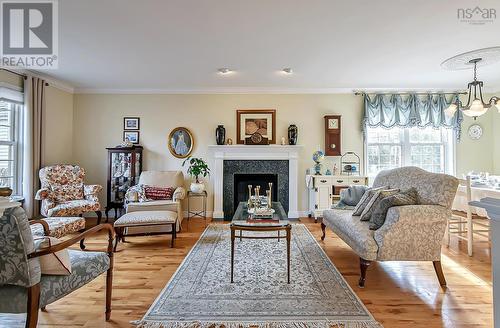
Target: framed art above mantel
x=251 y=121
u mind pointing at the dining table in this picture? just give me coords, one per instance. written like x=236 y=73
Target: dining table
x=477 y=193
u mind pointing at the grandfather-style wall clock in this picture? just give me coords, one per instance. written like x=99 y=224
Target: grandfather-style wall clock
x=333 y=135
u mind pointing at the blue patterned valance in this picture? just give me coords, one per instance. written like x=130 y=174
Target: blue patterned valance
x=390 y=110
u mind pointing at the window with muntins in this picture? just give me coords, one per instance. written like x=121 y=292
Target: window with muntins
x=428 y=148
x=10 y=145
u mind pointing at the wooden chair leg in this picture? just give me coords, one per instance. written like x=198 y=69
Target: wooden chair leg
x=439 y=272
x=174 y=233
x=99 y=217
x=109 y=288
x=33 y=306
x=323 y=228
x=363 y=265
x=470 y=234
x=117 y=238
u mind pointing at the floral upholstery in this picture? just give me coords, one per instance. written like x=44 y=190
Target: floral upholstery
x=85 y=266
x=16 y=242
x=412 y=232
x=146 y=217
x=60 y=226
x=63 y=192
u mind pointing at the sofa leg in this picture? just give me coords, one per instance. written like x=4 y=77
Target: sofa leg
x=363 y=265
x=33 y=306
x=439 y=272
x=323 y=228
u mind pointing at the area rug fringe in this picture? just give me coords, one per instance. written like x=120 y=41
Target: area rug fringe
x=251 y=324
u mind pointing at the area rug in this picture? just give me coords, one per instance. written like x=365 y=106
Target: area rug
x=200 y=293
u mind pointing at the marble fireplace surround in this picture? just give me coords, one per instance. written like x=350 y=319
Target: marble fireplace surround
x=247 y=152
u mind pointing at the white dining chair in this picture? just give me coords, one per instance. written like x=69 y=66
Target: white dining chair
x=465 y=227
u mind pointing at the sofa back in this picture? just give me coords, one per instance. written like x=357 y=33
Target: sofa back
x=16 y=243
x=162 y=178
x=432 y=188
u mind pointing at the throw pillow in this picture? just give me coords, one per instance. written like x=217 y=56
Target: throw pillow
x=159 y=193
x=57 y=263
x=65 y=193
x=367 y=212
x=365 y=199
x=352 y=195
x=408 y=197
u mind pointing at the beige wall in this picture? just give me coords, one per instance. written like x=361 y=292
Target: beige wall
x=98 y=123
x=58 y=126
x=12 y=79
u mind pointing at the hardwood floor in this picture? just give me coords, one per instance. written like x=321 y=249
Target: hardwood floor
x=398 y=294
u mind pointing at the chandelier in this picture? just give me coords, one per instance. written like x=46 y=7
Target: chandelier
x=476 y=106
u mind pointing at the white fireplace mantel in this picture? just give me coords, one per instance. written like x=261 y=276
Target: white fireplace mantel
x=247 y=152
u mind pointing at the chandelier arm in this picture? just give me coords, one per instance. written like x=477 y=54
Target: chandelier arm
x=469 y=96
x=481 y=92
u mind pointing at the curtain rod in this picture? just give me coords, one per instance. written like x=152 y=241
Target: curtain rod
x=362 y=93
x=24 y=76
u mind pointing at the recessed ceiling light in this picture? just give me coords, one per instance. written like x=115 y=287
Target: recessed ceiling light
x=287 y=70
x=224 y=70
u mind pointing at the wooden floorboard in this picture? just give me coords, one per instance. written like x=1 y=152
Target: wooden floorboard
x=398 y=294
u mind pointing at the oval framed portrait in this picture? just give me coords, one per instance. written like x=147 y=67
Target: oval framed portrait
x=180 y=142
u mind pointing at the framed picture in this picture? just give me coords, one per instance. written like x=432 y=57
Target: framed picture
x=132 y=136
x=180 y=142
x=131 y=123
x=249 y=121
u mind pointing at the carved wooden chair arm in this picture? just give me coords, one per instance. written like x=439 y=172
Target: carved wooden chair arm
x=74 y=240
x=45 y=225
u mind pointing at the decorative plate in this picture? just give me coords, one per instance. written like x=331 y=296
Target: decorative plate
x=475 y=131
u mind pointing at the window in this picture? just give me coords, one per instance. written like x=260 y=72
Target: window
x=10 y=145
x=430 y=149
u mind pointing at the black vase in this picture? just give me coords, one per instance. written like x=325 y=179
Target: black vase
x=293 y=134
x=220 y=135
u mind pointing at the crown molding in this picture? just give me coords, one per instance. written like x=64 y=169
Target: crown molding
x=208 y=91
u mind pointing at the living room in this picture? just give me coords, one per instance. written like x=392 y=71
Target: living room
x=160 y=151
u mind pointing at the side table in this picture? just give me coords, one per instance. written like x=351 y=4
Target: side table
x=192 y=213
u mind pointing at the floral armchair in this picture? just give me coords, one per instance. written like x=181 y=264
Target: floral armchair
x=23 y=289
x=63 y=192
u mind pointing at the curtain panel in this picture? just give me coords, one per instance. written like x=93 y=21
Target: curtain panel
x=396 y=110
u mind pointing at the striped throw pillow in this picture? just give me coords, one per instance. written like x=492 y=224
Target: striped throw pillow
x=158 y=193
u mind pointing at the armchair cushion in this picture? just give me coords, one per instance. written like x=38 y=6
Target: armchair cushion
x=64 y=193
x=60 y=226
x=89 y=190
x=86 y=266
x=57 y=263
x=73 y=208
x=352 y=231
x=159 y=193
x=412 y=232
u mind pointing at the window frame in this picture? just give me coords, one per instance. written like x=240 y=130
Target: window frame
x=448 y=140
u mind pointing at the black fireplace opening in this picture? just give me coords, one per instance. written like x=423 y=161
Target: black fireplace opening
x=241 y=182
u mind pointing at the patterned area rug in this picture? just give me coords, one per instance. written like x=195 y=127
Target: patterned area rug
x=200 y=293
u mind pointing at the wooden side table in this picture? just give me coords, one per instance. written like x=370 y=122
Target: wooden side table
x=192 y=213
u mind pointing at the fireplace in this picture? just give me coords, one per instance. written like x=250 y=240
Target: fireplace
x=238 y=174
x=242 y=180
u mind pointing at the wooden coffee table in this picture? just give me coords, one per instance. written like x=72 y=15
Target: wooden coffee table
x=242 y=221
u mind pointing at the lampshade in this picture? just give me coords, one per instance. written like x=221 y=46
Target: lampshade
x=477 y=108
x=450 y=111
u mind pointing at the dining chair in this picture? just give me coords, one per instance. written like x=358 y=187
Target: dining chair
x=465 y=227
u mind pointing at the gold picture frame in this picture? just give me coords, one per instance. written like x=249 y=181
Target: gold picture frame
x=180 y=142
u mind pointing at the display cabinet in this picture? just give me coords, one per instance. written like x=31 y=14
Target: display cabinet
x=124 y=169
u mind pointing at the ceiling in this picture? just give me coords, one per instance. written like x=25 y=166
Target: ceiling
x=332 y=46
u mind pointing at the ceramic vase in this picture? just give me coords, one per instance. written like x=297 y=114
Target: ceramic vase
x=197 y=187
x=293 y=134
x=220 y=134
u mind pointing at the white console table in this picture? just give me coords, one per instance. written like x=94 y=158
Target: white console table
x=492 y=206
x=324 y=189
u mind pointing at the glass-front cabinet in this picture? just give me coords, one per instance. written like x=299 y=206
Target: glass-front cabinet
x=124 y=169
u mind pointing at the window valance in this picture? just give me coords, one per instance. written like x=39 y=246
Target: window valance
x=413 y=110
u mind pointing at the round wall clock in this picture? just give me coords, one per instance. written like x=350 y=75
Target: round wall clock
x=475 y=131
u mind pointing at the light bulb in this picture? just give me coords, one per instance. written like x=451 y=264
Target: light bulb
x=450 y=111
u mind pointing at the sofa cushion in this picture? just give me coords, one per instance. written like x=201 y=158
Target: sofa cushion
x=365 y=199
x=352 y=231
x=162 y=178
x=407 y=197
x=154 y=205
x=372 y=204
x=159 y=193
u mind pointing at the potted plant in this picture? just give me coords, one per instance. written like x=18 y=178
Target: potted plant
x=197 y=168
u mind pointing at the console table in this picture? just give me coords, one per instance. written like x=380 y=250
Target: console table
x=325 y=189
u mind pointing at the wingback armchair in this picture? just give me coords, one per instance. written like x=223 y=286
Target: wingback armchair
x=63 y=192
x=23 y=289
x=410 y=233
x=136 y=201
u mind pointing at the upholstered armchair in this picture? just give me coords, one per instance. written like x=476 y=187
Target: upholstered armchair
x=63 y=192
x=23 y=289
x=136 y=200
x=411 y=232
